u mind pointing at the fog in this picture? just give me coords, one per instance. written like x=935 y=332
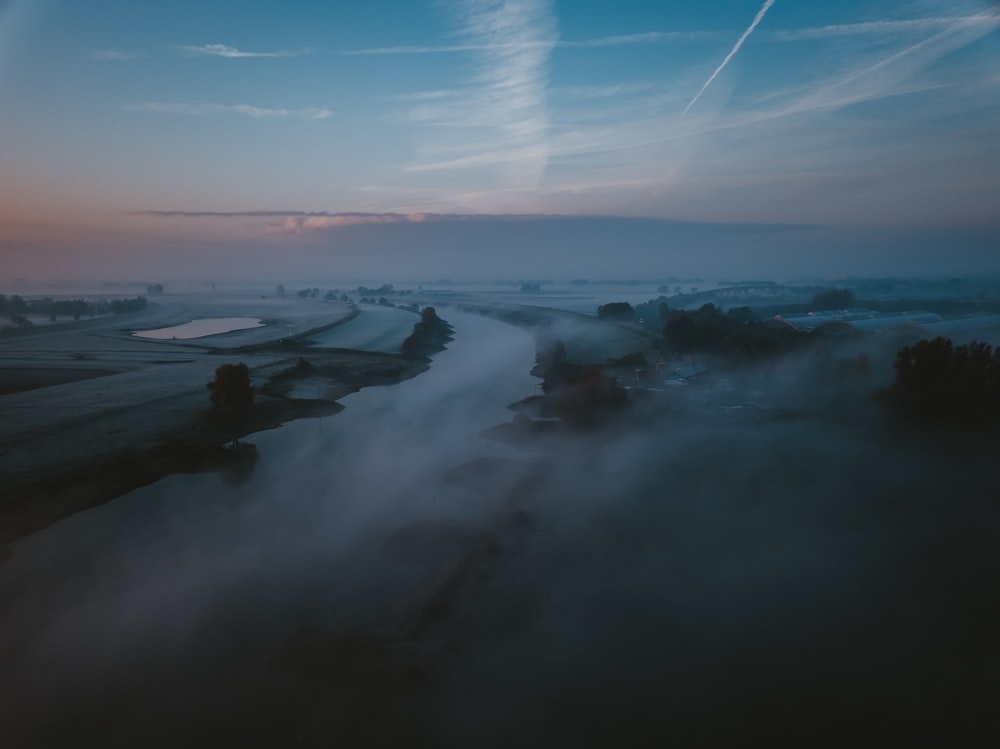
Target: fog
x=180 y=247
x=799 y=574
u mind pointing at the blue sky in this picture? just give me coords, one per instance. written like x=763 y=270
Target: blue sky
x=123 y=123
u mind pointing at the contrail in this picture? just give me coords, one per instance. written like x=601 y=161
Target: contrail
x=732 y=53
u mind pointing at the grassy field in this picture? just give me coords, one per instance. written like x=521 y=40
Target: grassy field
x=379 y=329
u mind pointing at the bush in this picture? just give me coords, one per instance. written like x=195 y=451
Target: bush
x=231 y=389
x=617 y=311
x=938 y=383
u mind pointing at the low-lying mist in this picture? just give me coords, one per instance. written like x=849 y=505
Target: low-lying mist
x=800 y=573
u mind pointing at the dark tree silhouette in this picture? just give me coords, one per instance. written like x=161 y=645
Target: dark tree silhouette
x=429 y=335
x=231 y=389
x=551 y=364
x=588 y=399
x=618 y=311
x=940 y=383
x=729 y=337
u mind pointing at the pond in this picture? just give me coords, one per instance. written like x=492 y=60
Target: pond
x=201 y=328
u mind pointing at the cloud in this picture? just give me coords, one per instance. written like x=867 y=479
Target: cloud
x=413 y=49
x=222 y=50
x=732 y=53
x=503 y=105
x=113 y=55
x=207 y=108
x=645 y=37
x=875 y=27
x=891 y=75
x=422 y=96
x=867 y=28
x=226 y=214
x=608 y=91
x=302 y=222
x=299 y=222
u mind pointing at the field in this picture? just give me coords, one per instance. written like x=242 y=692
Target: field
x=74 y=393
x=375 y=328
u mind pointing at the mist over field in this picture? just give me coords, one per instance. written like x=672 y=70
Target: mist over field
x=490 y=374
x=485 y=248
x=701 y=574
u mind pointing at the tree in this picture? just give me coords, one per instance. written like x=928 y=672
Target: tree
x=940 y=383
x=588 y=399
x=231 y=389
x=429 y=334
x=741 y=314
x=621 y=311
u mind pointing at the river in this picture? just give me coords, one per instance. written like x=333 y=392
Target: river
x=122 y=614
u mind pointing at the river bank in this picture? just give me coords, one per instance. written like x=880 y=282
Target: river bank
x=92 y=412
x=186 y=438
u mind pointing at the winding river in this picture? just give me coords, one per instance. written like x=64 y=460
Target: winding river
x=180 y=586
x=388 y=577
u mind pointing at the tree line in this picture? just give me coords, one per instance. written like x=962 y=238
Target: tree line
x=17 y=308
x=940 y=384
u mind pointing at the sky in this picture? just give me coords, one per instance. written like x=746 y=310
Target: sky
x=414 y=137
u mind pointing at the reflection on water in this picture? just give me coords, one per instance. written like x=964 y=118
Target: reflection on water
x=201 y=328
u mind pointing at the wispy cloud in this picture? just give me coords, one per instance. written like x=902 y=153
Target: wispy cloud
x=866 y=28
x=893 y=74
x=303 y=222
x=913 y=25
x=605 y=92
x=421 y=49
x=784 y=136
x=113 y=55
x=423 y=96
x=505 y=100
x=646 y=37
x=312 y=223
x=248 y=110
x=274 y=213
x=732 y=53
x=223 y=50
